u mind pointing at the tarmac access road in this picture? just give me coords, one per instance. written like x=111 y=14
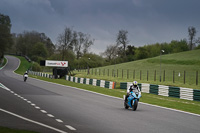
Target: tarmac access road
x=51 y=108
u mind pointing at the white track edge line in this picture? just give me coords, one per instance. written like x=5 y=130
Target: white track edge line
x=32 y=121
x=70 y=127
x=58 y=120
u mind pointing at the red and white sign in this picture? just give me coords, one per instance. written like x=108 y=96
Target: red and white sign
x=52 y=63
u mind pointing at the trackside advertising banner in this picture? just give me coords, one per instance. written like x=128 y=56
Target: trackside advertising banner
x=52 y=63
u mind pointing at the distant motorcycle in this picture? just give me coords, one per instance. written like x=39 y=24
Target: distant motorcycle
x=25 y=77
x=132 y=100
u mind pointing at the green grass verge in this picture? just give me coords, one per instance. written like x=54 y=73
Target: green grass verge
x=175 y=103
x=9 y=130
x=24 y=66
x=4 y=62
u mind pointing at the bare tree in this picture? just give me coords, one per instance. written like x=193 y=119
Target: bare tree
x=110 y=52
x=82 y=43
x=198 y=41
x=87 y=44
x=66 y=41
x=192 y=32
x=122 y=39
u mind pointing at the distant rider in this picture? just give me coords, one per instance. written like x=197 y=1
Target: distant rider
x=134 y=86
x=26 y=74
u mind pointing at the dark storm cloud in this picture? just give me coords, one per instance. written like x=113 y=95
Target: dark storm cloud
x=147 y=21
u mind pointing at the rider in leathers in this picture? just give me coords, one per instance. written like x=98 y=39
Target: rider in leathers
x=131 y=88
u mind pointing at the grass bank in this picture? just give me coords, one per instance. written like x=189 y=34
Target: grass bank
x=24 y=66
x=180 y=69
x=184 y=105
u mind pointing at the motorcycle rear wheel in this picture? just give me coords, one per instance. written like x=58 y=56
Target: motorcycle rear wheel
x=125 y=105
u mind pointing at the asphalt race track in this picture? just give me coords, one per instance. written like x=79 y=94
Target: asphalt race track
x=50 y=108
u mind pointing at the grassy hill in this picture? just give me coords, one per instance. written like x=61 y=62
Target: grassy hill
x=179 y=69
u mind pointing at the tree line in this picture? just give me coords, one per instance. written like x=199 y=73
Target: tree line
x=73 y=46
x=121 y=51
x=5 y=36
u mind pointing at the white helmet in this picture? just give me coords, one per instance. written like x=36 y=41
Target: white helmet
x=135 y=83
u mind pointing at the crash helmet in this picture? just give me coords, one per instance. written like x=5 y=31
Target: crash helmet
x=135 y=83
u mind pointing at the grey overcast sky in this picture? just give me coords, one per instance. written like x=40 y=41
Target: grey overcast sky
x=147 y=21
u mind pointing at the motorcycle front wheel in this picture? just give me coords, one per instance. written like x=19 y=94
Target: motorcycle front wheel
x=135 y=105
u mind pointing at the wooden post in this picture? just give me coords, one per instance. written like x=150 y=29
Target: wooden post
x=164 y=76
x=155 y=76
x=140 y=74
x=197 y=78
x=147 y=75
x=184 y=77
x=122 y=73
x=127 y=74
x=173 y=77
x=99 y=72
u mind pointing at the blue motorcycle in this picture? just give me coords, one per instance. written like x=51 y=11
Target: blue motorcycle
x=132 y=100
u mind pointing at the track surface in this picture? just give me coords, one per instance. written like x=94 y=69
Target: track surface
x=85 y=112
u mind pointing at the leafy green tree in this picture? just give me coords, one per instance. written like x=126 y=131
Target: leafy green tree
x=25 y=43
x=40 y=50
x=69 y=56
x=198 y=47
x=21 y=45
x=141 y=53
x=166 y=47
x=36 y=67
x=5 y=35
x=90 y=60
x=178 y=46
x=130 y=53
x=153 y=50
x=50 y=46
